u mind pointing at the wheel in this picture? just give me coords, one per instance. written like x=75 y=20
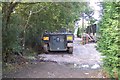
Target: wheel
x=70 y=50
x=45 y=47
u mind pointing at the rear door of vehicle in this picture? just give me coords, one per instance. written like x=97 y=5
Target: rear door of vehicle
x=57 y=42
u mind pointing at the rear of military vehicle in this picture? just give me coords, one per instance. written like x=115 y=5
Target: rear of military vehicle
x=58 y=42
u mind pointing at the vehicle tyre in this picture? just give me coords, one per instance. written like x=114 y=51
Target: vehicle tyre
x=45 y=47
x=70 y=50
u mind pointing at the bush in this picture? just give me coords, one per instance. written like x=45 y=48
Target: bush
x=109 y=43
x=78 y=33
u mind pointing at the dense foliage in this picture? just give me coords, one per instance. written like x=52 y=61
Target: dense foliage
x=109 y=42
x=24 y=23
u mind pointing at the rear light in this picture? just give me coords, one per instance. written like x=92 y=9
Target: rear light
x=45 y=38
x=69 y=38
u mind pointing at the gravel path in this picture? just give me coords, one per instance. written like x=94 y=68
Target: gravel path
x=85 y=62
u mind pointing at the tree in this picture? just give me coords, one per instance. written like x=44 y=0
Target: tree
x=24 y=23
x=78 y=33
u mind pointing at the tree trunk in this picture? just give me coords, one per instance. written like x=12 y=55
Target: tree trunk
x=7 y=9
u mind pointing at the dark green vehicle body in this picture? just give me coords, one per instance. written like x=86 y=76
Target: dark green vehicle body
x=58 y=42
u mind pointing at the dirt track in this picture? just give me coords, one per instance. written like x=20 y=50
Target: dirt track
x=85 y=62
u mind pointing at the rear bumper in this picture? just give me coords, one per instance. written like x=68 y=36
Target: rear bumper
x=58 y=49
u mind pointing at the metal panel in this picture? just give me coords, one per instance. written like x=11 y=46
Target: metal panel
x=57 y=42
